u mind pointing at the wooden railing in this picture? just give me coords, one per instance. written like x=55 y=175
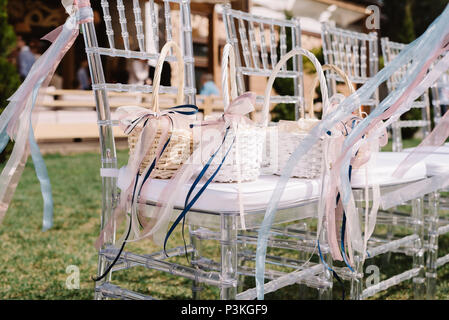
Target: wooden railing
x=59 y=107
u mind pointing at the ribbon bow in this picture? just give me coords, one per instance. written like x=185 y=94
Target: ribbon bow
x=236 y=112
x=131 y=116
x=15 y=121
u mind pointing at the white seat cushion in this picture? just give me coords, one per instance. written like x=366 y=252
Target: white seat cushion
x=223 y=197
x=437 y=163
x=383 y=165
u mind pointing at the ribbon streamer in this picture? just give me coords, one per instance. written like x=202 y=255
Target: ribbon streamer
x=15 y=120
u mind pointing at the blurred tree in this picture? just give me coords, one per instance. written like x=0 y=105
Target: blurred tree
x=9 y=78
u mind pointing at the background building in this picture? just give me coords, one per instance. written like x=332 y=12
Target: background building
x=34 y=18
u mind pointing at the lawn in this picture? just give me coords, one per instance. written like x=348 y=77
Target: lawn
x=33 y=263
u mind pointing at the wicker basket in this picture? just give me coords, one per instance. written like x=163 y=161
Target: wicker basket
x=244 y=159
x=181 y=142
x=291 y=133
x=288 y=134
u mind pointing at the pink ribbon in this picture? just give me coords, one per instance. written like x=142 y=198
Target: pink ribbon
x=332 y=184
x=434 y=140
x=21 y=104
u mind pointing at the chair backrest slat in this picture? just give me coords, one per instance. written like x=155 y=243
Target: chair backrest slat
x=168 y=23
x=273 y=52
x=139 y=25
x=154 y=25
x=440 y=97
x=108 y=22
x=283 y=47
x=244 y=41
x=263 y=46
x=123 y=23
x=254 y=48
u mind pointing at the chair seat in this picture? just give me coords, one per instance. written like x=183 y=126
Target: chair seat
x=437 y=163
x=223 y=197
x=383 y=165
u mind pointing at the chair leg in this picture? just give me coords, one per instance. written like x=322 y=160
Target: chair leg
x=241 y=261
x=107 y=212
x=356 y=282
x=228 y=257
x=432 y=245
x=418 y=256
x=102 y=265
x=326 y=294
x=196 y=254
x=386 y=258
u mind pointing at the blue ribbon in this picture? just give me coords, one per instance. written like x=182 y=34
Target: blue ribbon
x=188 y=205
x=4 y=139
x=39 y=164
x=187 y=110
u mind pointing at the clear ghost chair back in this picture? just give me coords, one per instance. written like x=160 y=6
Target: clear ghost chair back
x=126 y=39
x=261 y=42
x=390 y=50
x=129 y=41
x=353 y=52
x=440 y=97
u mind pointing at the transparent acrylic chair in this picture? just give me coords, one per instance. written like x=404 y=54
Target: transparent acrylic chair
x=357 y=54
x=390 y=50
x=206 y=215
x=259 y=44
x=131 y=44
x=360 y=66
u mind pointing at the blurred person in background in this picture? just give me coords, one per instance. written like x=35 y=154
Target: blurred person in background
x=25 y=58
x=36 y=48
x=83 y=76
x=208 y=87
x=443 y=92
x=137 y=71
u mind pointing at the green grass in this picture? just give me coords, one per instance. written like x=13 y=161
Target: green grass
x=406 y=144
x=33 y=263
